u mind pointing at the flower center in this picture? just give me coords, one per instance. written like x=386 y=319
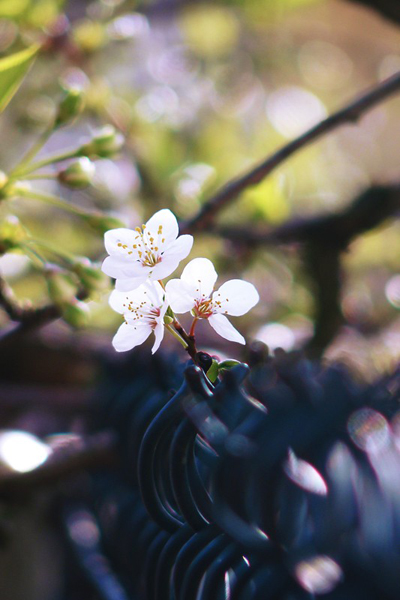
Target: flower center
x=143 y=312
x=147 y=248
x=203 y=309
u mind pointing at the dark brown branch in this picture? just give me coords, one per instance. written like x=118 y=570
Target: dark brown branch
x=27 y=319
x=349 y=113
x=323 y=239
x=366 y=212
x=388 y=8
x=18 y=313
x=76 y=456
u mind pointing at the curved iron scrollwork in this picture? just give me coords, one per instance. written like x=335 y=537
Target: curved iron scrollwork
x=280 y=482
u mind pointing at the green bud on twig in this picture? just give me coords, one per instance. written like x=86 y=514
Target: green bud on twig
x=12 y=233
x=61 y=286
x=168 y=320
x=76 y=314
x=70 y=106
x=92 y=279
x=78 y=174
x=104 y=144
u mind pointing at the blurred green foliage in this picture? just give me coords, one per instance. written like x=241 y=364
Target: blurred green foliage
x=12 y=70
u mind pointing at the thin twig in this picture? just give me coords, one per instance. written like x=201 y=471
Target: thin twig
x=349 y=113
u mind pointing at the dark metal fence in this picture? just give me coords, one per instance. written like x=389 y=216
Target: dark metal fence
x=281 y=482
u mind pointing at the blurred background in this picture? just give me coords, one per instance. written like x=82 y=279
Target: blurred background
x=201 y=93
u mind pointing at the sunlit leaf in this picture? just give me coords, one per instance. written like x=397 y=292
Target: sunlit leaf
x=12 y=71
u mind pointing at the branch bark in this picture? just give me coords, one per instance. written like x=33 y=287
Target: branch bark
x=323 y=239
x=350 y=113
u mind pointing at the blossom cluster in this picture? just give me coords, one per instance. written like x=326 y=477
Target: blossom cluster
x=139 y=259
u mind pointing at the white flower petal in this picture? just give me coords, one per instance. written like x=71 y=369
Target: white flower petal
x=153 y=293
x=236 y=297
x=123 y=236
x=225 y=329
x=158 y=334
x=164 y=268
x=177 y=296
x=181 y=247
x=127 y=285
x=201 y=273
x=147 y=293
x=129 y=336
x=166 y=220
x=117 y=301
x=122 y=267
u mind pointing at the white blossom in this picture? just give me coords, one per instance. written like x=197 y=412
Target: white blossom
x=194 y=292
x=143 y=309
x=152 y=251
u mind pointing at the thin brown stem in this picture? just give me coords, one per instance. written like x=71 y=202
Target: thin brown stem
x=232 y=189
x=189 y=339
x=191 y=332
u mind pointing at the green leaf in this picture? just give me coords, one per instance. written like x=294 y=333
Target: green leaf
x=212 y=372
x=228 y=364
x=12 y=71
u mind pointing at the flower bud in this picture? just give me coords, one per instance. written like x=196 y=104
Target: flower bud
x=78 y=174
x=104 y=144
x=91 y=278
x=70 y=106
x=76 y=314
x=61 y=286
x=11 y=233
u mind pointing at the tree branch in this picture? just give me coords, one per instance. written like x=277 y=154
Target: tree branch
x=323 y=240
x=388 y=8
x=231 y=190
x=27 y=319
x=367 y=211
